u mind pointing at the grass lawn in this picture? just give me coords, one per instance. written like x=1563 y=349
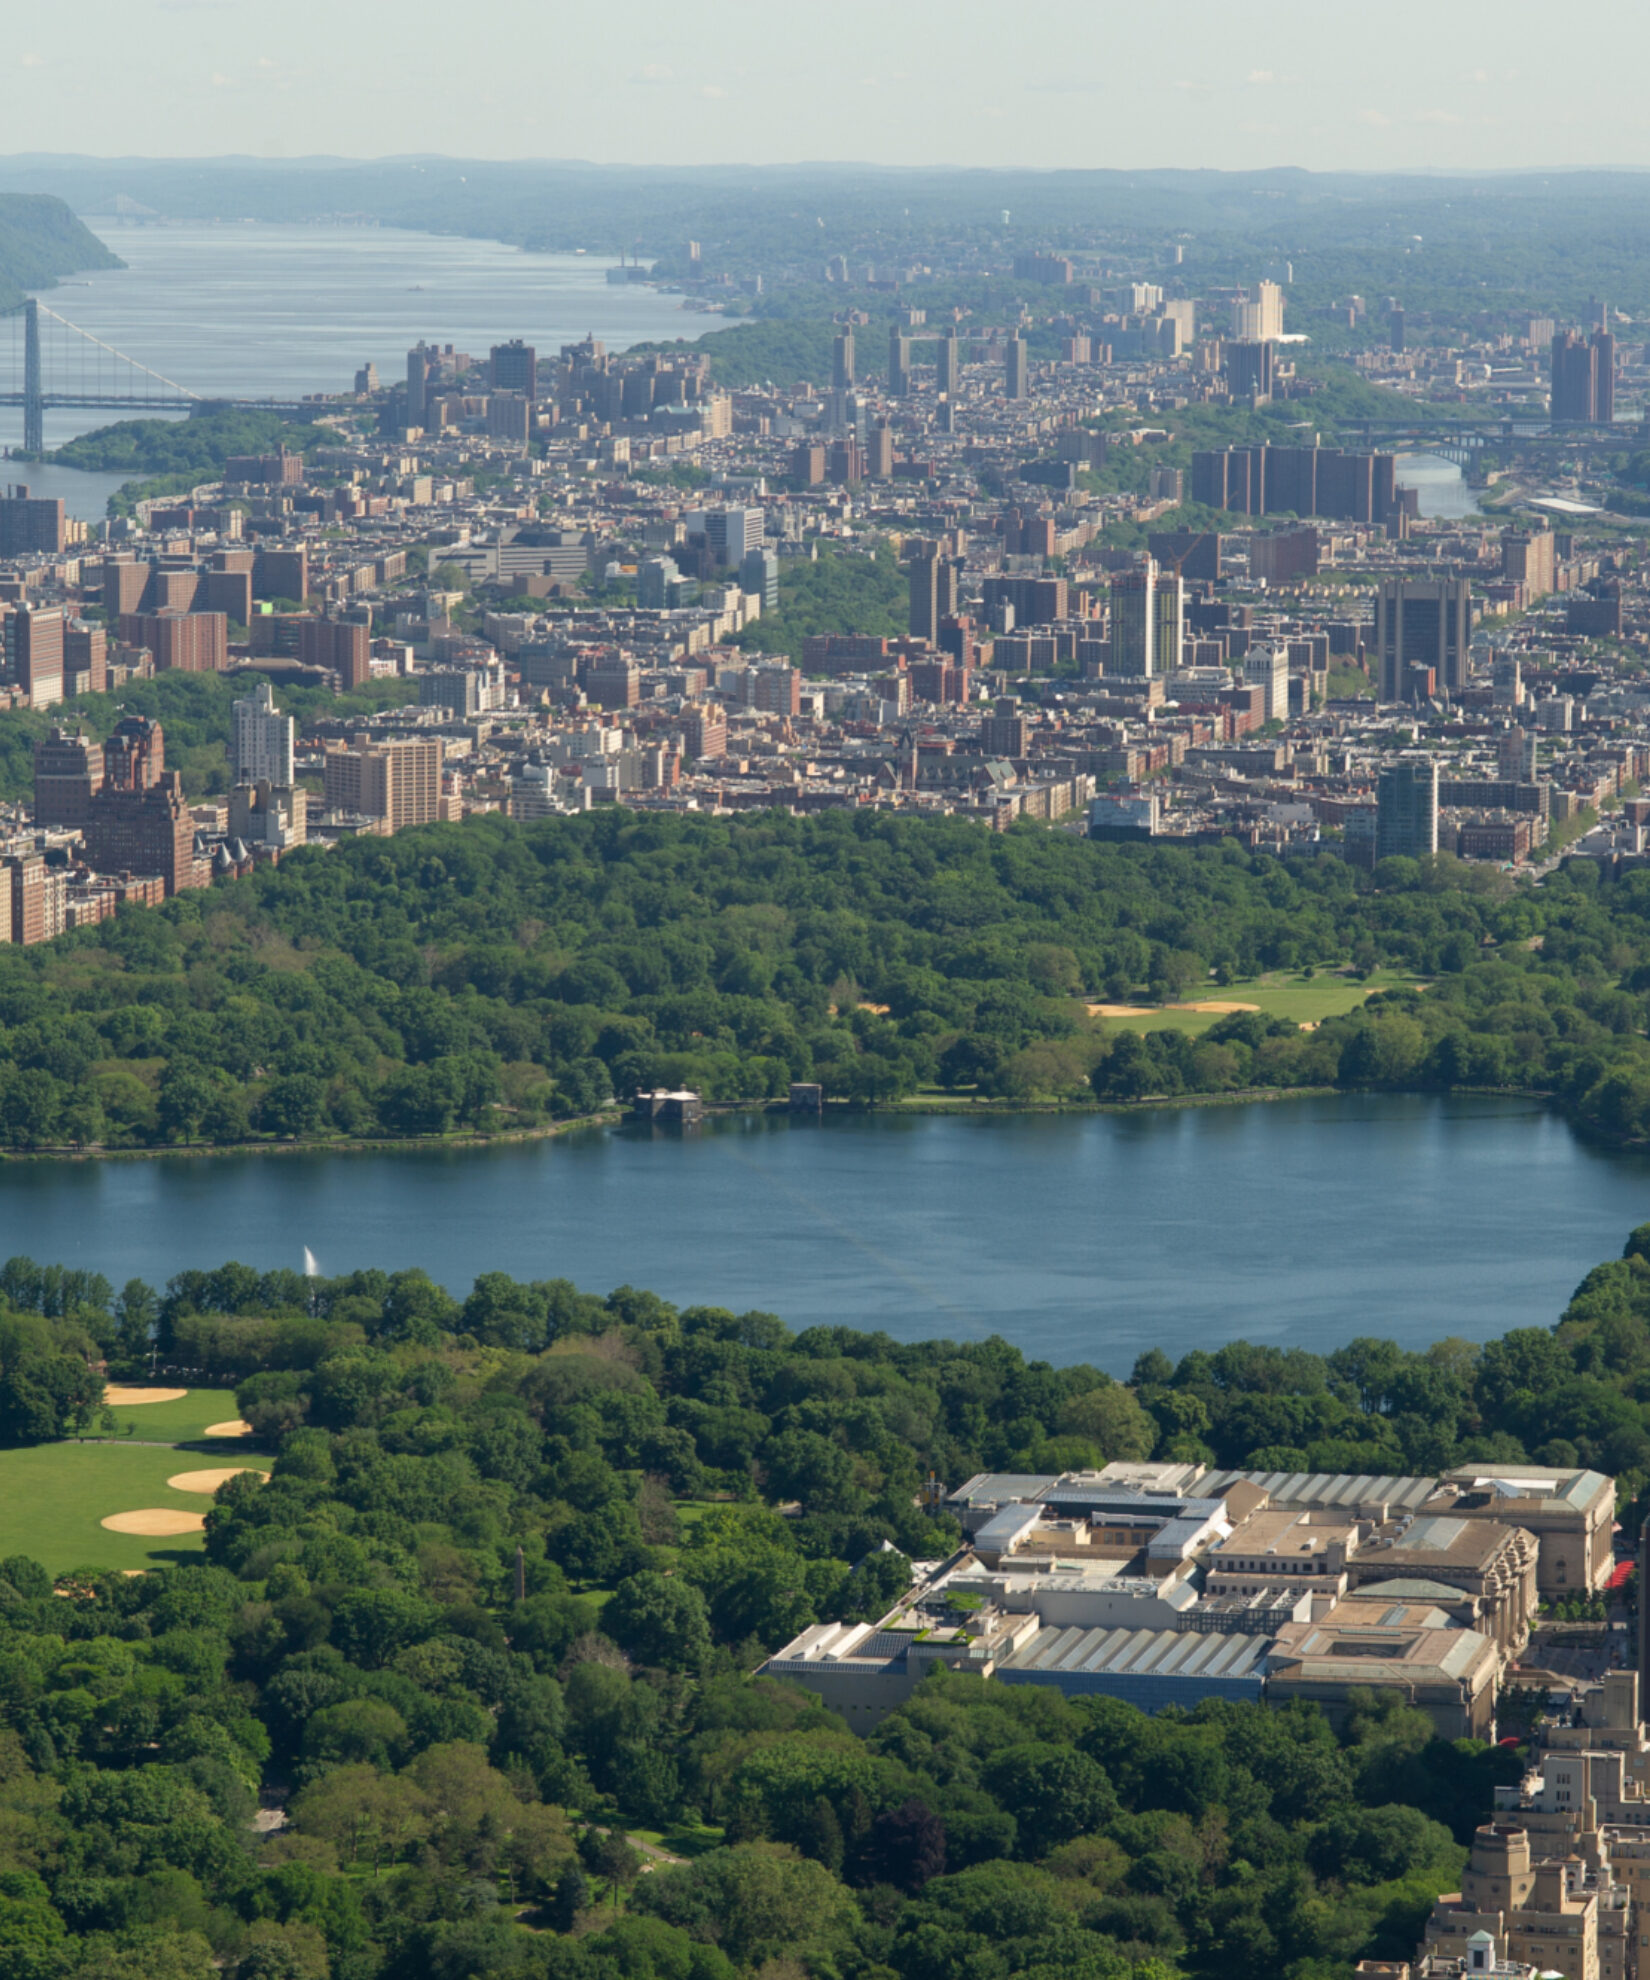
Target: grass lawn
x=177 y=1422
x=52 y=1497
x=1282 y=993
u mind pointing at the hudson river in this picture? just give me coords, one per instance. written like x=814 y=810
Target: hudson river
x=263 y=311
x=1079 y=1237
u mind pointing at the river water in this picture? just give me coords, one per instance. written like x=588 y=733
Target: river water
x=246 y=311
x=1442 y=489
x=1078 y=1237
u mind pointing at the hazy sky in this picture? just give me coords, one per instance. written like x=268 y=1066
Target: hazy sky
x=1216 y=83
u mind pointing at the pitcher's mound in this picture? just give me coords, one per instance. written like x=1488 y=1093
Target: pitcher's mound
x=124 y=1394
x=233 y=1428
x=155 y=1522
x=209 y=1481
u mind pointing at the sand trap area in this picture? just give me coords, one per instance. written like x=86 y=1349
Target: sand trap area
x=155 y=1522
x=209 y=1481
x=124 y=1396
x=233 y=1428
x=1213 y=1004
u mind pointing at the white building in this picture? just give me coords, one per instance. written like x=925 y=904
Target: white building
x=264 y=740
x=1268 y=669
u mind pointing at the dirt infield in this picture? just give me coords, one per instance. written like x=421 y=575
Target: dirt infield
x=123 y=1395
x=233 y=1428
x=209 y=1481
x=155 y=1522
x=1208 y=1004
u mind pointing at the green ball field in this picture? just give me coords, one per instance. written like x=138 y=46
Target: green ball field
x=53 y=1497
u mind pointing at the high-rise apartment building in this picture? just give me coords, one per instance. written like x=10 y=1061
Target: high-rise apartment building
x=38 y=897
x=124 y=583
x=419 y=365
x=845 y=463
x=68 y=774
x=1258 y=317
x=705 y=731
x=899 y=362
x=1423 y=635
x=773 y=688
x=759 y=576
x=278 y=573
x=1168 y=622
x=1515 y=756
x=1016 y=370
x=139 y=822
x=922 y=573
x=1302 y=481
x=1583 y=378
x=1134 y=620
x=1267 y=668
x=947 y=370
x=731 y=534
x=1248 y=370
x=514 y=367
x=34 y=652
x=1604 y=377
x=345 y=649
x=879 y=451
x=1004 y=732
x=31 y=524
x=189 y=642
x=399 y=781
x=1406 y=809
x=1528 y=557
x=842 y=361
x=264 y=740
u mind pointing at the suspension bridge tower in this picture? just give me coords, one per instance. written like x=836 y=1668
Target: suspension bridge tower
x=34 y=398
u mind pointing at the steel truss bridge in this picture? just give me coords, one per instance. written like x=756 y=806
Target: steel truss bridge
x=59 y=364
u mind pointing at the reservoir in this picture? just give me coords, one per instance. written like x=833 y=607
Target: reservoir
x=245 y=311
x=1082 y=1237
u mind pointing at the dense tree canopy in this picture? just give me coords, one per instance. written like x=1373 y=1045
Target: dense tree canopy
x=493 y=974
x=449 y=1754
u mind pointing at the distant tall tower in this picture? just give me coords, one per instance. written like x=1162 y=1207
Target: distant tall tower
x=1168 y=613
x=418 y=372
x=1016 y=370
x=899 y=362
x=1134 y=620
x=1603 y=347
x=946 y=369
x=842 y=362
x=1583 y=377
x=514 y=368
x=923 y=574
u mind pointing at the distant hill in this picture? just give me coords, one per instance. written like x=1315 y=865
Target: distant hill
x=40 y=239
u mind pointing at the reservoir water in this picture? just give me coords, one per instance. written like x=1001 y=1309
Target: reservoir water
x=247 y=311
x=1078 y=1237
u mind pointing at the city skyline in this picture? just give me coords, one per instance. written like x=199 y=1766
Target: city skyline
x=742 y=85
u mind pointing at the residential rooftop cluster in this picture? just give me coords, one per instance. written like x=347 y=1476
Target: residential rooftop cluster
x=570 y=560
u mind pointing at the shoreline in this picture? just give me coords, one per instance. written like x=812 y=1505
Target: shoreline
x=931 y=1106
